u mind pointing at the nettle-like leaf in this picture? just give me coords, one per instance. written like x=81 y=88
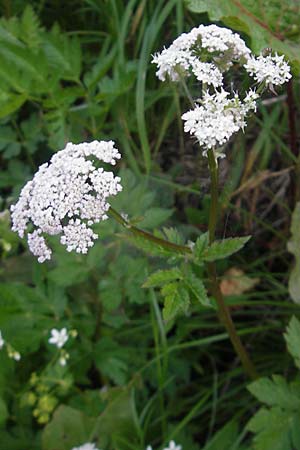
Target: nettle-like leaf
x=161 y=277
x=178 y=287
x=292 y=338
x=218 y=249
x=176 y=300
x=196 y=287
x=267 y=23
x=294 y=248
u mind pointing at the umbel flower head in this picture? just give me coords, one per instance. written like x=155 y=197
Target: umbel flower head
x=66 y=197
x=218 y=117
x=208 y=52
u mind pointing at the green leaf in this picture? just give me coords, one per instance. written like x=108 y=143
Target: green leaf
x=272 y=428
x=223 y=249
x=275 y=392
x=197 y=288
x=294 y=248
x=224 y=438
x=176 y=301
x=292 y=338
x=201 y=245
x=9 y=103
x=31 y=29
x=116 y=423
x=68 y=428
x=161 y=277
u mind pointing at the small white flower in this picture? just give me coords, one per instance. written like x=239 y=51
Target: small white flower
x=87 y=446
x=270 y=69
x=58 y=338
x=173 y=446
x=2 y=342
x=66 y=197
x=149 y=447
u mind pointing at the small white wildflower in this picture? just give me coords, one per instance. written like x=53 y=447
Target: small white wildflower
x=204 y=50
x=66 y=197
x=149 y=447
x=2 y=342
x=58 y=338
x=218 y=118
x=173 y=446
x=87 y=446
x=270 y=69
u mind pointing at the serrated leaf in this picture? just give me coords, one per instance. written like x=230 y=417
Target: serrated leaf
x=175 y=303
x=272 y=428
x=223 y=249
x=294 y=248
x=292 y=338
x=275 y=392
x=197 y=288
x=201 y=245
x=162 y=277
x=31 y=29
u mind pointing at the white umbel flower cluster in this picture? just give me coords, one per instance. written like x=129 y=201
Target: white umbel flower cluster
x=271 y=70
x=66 y=197
x=204 y=50
x=209 y=52
x=87 y=446
x=218 y=118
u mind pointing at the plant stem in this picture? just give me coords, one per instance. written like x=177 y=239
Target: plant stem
x=148 y=236
x=223 y=310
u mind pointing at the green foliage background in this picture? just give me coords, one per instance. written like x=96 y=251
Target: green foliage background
x=150 y=363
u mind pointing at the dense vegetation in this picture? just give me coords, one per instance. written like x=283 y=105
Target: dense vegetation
x=81 y=70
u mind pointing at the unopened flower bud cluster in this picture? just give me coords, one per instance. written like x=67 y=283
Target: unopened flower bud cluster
x=66 y=197
x=208 y=52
